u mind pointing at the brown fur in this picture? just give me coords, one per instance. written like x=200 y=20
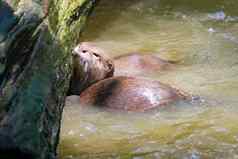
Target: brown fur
x=89 y=66
x=130 y=94
x=138 y=64
x=92 y=80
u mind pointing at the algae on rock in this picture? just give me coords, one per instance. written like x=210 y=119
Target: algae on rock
x=36 y=37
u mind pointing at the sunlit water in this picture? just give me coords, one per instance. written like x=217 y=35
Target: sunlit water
x=202 y=38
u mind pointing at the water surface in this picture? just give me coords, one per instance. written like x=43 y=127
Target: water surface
x=202 y=38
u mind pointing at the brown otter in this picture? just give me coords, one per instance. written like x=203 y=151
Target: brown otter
x=89 y=66
x=139 y=64
x=91 y=81
x=133 y=64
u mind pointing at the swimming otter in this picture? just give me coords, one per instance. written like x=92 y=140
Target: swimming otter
x=134 y=64
x=92 y=80
x=89 y=66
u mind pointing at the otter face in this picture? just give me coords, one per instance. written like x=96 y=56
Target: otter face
x=91 y=62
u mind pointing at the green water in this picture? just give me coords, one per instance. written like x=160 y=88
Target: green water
x=201 y=36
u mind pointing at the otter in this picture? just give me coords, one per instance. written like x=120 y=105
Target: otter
x=134 y=64
x=93 y=81
x=89 y=66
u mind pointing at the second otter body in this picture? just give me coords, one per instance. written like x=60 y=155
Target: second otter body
x=134 y=64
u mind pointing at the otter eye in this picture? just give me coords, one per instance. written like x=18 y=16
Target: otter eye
x=110 y=66
x=96 y=55
x=84 y=51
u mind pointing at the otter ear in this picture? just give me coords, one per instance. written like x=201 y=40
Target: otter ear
x=110 y=71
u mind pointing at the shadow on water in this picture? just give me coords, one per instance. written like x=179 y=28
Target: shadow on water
x=107 y=18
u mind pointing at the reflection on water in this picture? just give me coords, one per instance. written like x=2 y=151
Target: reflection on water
x=201 y=37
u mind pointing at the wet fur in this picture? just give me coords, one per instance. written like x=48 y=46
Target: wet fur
x=92 y=80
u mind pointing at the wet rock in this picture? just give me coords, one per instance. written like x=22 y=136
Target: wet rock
x=35 y=71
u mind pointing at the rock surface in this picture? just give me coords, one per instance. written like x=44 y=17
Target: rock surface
x=36 y=38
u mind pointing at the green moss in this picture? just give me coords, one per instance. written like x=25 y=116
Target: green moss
x=36 y=83
x=62 y=12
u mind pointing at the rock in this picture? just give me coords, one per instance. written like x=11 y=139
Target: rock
x=35 y=72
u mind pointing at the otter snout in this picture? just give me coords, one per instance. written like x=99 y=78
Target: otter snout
x=74 y=54
x=81 y=53
x=75 y=51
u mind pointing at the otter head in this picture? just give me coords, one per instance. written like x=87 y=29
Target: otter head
x=90 y=64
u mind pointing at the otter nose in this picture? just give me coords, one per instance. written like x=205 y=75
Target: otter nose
x=73 y=53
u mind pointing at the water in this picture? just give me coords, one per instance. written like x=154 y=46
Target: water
x=202 y=38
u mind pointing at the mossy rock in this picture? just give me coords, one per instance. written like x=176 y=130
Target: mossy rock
x=36 y=37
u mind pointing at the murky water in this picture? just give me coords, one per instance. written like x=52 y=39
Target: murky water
x=202 y=38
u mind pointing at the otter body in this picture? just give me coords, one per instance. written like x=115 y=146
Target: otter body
x=93 y=81
x=134 y=64
x=130 y=94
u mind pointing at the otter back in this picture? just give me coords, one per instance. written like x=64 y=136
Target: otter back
x=130 y=94
x=139 y=64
